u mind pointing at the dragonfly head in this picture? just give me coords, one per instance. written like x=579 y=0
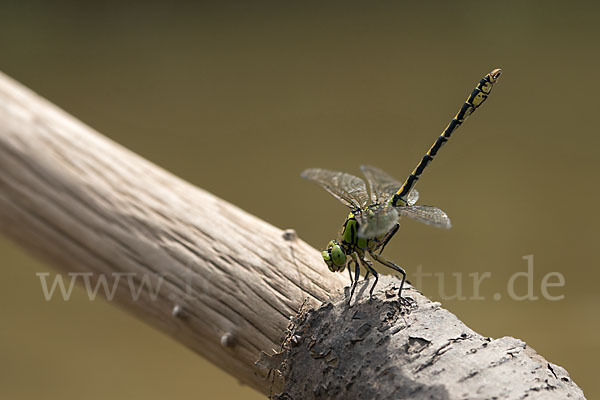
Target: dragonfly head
x=334 y=256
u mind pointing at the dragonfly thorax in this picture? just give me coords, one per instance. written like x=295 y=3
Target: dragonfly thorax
x=365 y=227
x=337 y=252
x=349 y=236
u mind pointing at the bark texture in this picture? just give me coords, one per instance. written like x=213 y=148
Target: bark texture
x=226 y=284
x=384 y=350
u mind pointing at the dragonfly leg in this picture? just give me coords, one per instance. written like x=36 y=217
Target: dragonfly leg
x=356 y=275
x=387 y=237
x=393 y=266
x=366 y=278
x=369 y=267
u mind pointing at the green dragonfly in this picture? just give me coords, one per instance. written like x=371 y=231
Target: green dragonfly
x=373 y=219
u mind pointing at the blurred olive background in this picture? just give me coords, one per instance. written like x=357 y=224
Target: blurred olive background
x=238 y=98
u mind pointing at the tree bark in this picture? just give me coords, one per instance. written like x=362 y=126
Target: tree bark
x=226 y=284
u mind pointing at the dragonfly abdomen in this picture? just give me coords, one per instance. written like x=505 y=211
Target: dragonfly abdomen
x=475 y=99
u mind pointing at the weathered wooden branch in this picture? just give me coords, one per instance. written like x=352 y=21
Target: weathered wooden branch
x=227 y=283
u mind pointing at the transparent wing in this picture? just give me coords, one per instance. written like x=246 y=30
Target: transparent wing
x=383 y=186
x=376 y=220
x=347 y=188
x=426 y=214
x=412 y=198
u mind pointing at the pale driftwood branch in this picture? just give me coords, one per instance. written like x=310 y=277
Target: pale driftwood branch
x=229 y=282
x=89 y=205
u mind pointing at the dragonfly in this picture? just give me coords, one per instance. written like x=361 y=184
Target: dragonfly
x=374 y=214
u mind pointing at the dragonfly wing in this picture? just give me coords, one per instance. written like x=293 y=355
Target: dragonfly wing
x=426 y=214
x=413 y=197
x=383 y=186
x=376 y=220
x=349 y=189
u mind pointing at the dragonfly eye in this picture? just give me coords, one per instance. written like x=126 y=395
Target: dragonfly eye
x=334 y=257
x=326 y=254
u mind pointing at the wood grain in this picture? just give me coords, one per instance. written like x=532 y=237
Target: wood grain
x=87 y=204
